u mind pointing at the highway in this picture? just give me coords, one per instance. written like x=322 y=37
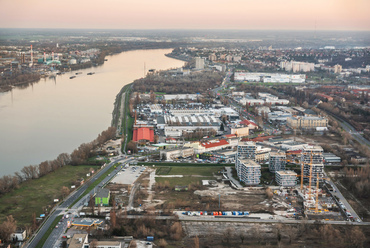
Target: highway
x=67 y=202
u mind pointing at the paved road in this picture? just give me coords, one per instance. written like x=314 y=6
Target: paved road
x=341 y=198
x=350 y=129
x=230 y=176
x=68 y=201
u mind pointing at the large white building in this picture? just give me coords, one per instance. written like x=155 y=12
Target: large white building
x=199 y=63
x=269 y=77
x=286 y=178
x=296 y=66
x=248 y=171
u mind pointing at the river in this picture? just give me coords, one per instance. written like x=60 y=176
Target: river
x=53 y=116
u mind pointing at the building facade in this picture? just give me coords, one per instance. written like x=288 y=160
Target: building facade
x=277 y=161
x=248 y=171
x=286 y=178
x=312 y=160
x=307 y=122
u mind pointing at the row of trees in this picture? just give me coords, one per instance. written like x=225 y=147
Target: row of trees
x=189 y=84
x=358 y=181
x=78 y=156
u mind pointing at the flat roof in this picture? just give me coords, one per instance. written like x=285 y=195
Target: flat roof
x=287 y=173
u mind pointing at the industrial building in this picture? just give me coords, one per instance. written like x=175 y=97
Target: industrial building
x=248 y=171
x=175 y=125
x=312 y=162
x=277 y=161
x=286 y=178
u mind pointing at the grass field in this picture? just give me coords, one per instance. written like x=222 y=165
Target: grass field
x=35 y=194
x=190 y=174
x=201 y=171
x=93 y=185
x=182 y=181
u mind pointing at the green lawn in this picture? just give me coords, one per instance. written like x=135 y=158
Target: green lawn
x=35 y=194
x=186 y=180
x=191 y=174
x=201 y=171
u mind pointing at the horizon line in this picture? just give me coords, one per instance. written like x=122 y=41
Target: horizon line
x=195 y=29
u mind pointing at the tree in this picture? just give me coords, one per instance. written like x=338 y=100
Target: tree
x=162 y=243
x=7 y=228
x=196 y=242
x=113 y=218
x=65 y=191
x=34 y=222
x=94 y=243
x=132 y=146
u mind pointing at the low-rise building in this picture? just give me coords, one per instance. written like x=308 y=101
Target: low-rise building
x=306 y=122
x=102 y=197
x=240 y=132
x=262 y=153
x=78 y=241
x=286 y=178
x=248 y=171
x=176 y=153
x=108 y=244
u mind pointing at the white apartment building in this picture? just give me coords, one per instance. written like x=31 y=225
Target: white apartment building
x=246 y=150
x=286 y=178
x=277 y=161
x=248 y=171
x=199 y=63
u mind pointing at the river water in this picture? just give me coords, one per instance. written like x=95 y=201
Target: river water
x=53 y=116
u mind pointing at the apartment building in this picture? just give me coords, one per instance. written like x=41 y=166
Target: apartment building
x=312 y=160
x=248 y=171
x=277 y=161
x=286 y=178
x=246 y=150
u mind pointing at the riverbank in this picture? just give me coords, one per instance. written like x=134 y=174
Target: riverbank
x=179 y=57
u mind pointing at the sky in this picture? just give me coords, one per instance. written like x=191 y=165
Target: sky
x=189 y=14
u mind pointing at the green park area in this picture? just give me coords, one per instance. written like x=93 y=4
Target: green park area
x=37 y=195
x=190 y=175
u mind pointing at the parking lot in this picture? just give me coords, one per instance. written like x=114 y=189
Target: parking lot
x=128 y=175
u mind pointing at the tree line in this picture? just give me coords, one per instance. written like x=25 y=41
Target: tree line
x=77 y=157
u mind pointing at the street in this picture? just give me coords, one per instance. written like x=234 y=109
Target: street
x=67 y=202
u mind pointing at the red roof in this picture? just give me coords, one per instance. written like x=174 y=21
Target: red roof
x=230 y=135
x=295 y=152
x=143 y=133
x=247 y=123
x=215 y=144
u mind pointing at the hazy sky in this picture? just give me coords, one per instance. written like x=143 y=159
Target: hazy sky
x=189 y=14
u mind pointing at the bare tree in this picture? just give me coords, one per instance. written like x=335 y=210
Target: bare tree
x=64 y=191
x=7 y=228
